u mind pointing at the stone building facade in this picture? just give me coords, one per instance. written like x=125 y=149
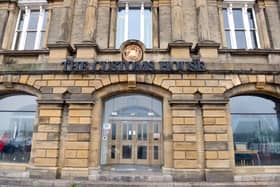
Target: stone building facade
x=195 y=139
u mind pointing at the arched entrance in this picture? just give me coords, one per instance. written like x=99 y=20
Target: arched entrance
x=132 y=131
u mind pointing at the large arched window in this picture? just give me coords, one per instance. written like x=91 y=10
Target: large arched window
x=17 y=115
x=256 y=130
x=132 y=131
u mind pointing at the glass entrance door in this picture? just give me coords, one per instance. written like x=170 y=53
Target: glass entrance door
x=134 y=142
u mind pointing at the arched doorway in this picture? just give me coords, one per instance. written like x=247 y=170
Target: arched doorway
x=132 y=131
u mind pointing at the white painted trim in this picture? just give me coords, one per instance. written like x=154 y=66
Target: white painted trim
x=142 y=25
x=16 y=32
x=24 y=29
x=126 y=22
x=39 y=28
x=247 y=29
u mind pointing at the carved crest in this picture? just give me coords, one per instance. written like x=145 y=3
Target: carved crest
x=132 y=53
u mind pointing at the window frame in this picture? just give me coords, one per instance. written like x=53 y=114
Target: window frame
x=127 y=6
x=229 y=5
x=19 y=42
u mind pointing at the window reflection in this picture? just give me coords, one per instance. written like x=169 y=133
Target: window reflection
x=17 y=115
x=256 y=132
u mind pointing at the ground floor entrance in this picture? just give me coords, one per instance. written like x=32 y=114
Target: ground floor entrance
x=132 y=134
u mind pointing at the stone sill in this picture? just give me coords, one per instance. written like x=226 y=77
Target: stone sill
x=14 y=53
x=259 y=52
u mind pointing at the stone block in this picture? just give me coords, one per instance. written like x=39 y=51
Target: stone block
x=78 y=128
x=76 y=162
x=197 y=83
x=82 y=154
x=51 y=162
x=77 y=145
x=179 y=155
x=185 y=146
x=191 y=155
x=185 y=164
x=211 y=155
x=222 y=137
x=190 y=138
x=45 y=145
x=210 y=137
x=52 y=153
x=223 y=154
x=184 y=129
x=219 y=176
x=50 y=112
x=80 y=113
x=217 y=163
x=48 y=128
x=178 y=137
x=216 y=146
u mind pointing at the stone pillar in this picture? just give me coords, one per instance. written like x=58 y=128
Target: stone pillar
x=60 y=31
x=113 y=24
x=77 y=136
x=164 y=23
x=45 y=145
x=155 y=21
x=273 y=22
x=103 y=24
x=180 y=50
x=90 y=22
x=187 y=148
x=203 y=23
x=177 y=20
x=208 y=50
x=262 y=25
x=219 y=166
x=8 y=19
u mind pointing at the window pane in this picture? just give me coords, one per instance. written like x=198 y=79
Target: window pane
x=238 y=18
x=33 y=20
x=155 y=152
x=134 y=23
x=126 y=151
x=251 y=18
x=16 y=128
x=255 y=124
x=21 y=20
x=120 y=27
x=142 y=152
x=228 y=39
x=253 y=39
x=148 y=28
x=42 y=40
x=145 y=133
x=114 y=131
x=129 y=132
x=30 y=40
x=113 y=152
x=19 y=35
x=45 y=20
x=226 y=24
x=139 y=132
x=124 y=132
x=240 y=39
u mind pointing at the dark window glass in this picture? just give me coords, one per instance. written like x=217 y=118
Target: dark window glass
x=228 y=39
x=126 y=151
x=142 y=152
x=17 y=114
x=256 y=133
x=155 y=152
x=139 y=132
x=240 y=39
x=124 y=132
x=145 y=133
x=226 y=24
x=113 y=152
x=33 y=20
x=114 y=131
x=238 y=18
x=251 y=18
x=30 y=40
x=254 y=39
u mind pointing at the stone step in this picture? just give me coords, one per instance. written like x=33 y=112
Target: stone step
x=27 y=182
